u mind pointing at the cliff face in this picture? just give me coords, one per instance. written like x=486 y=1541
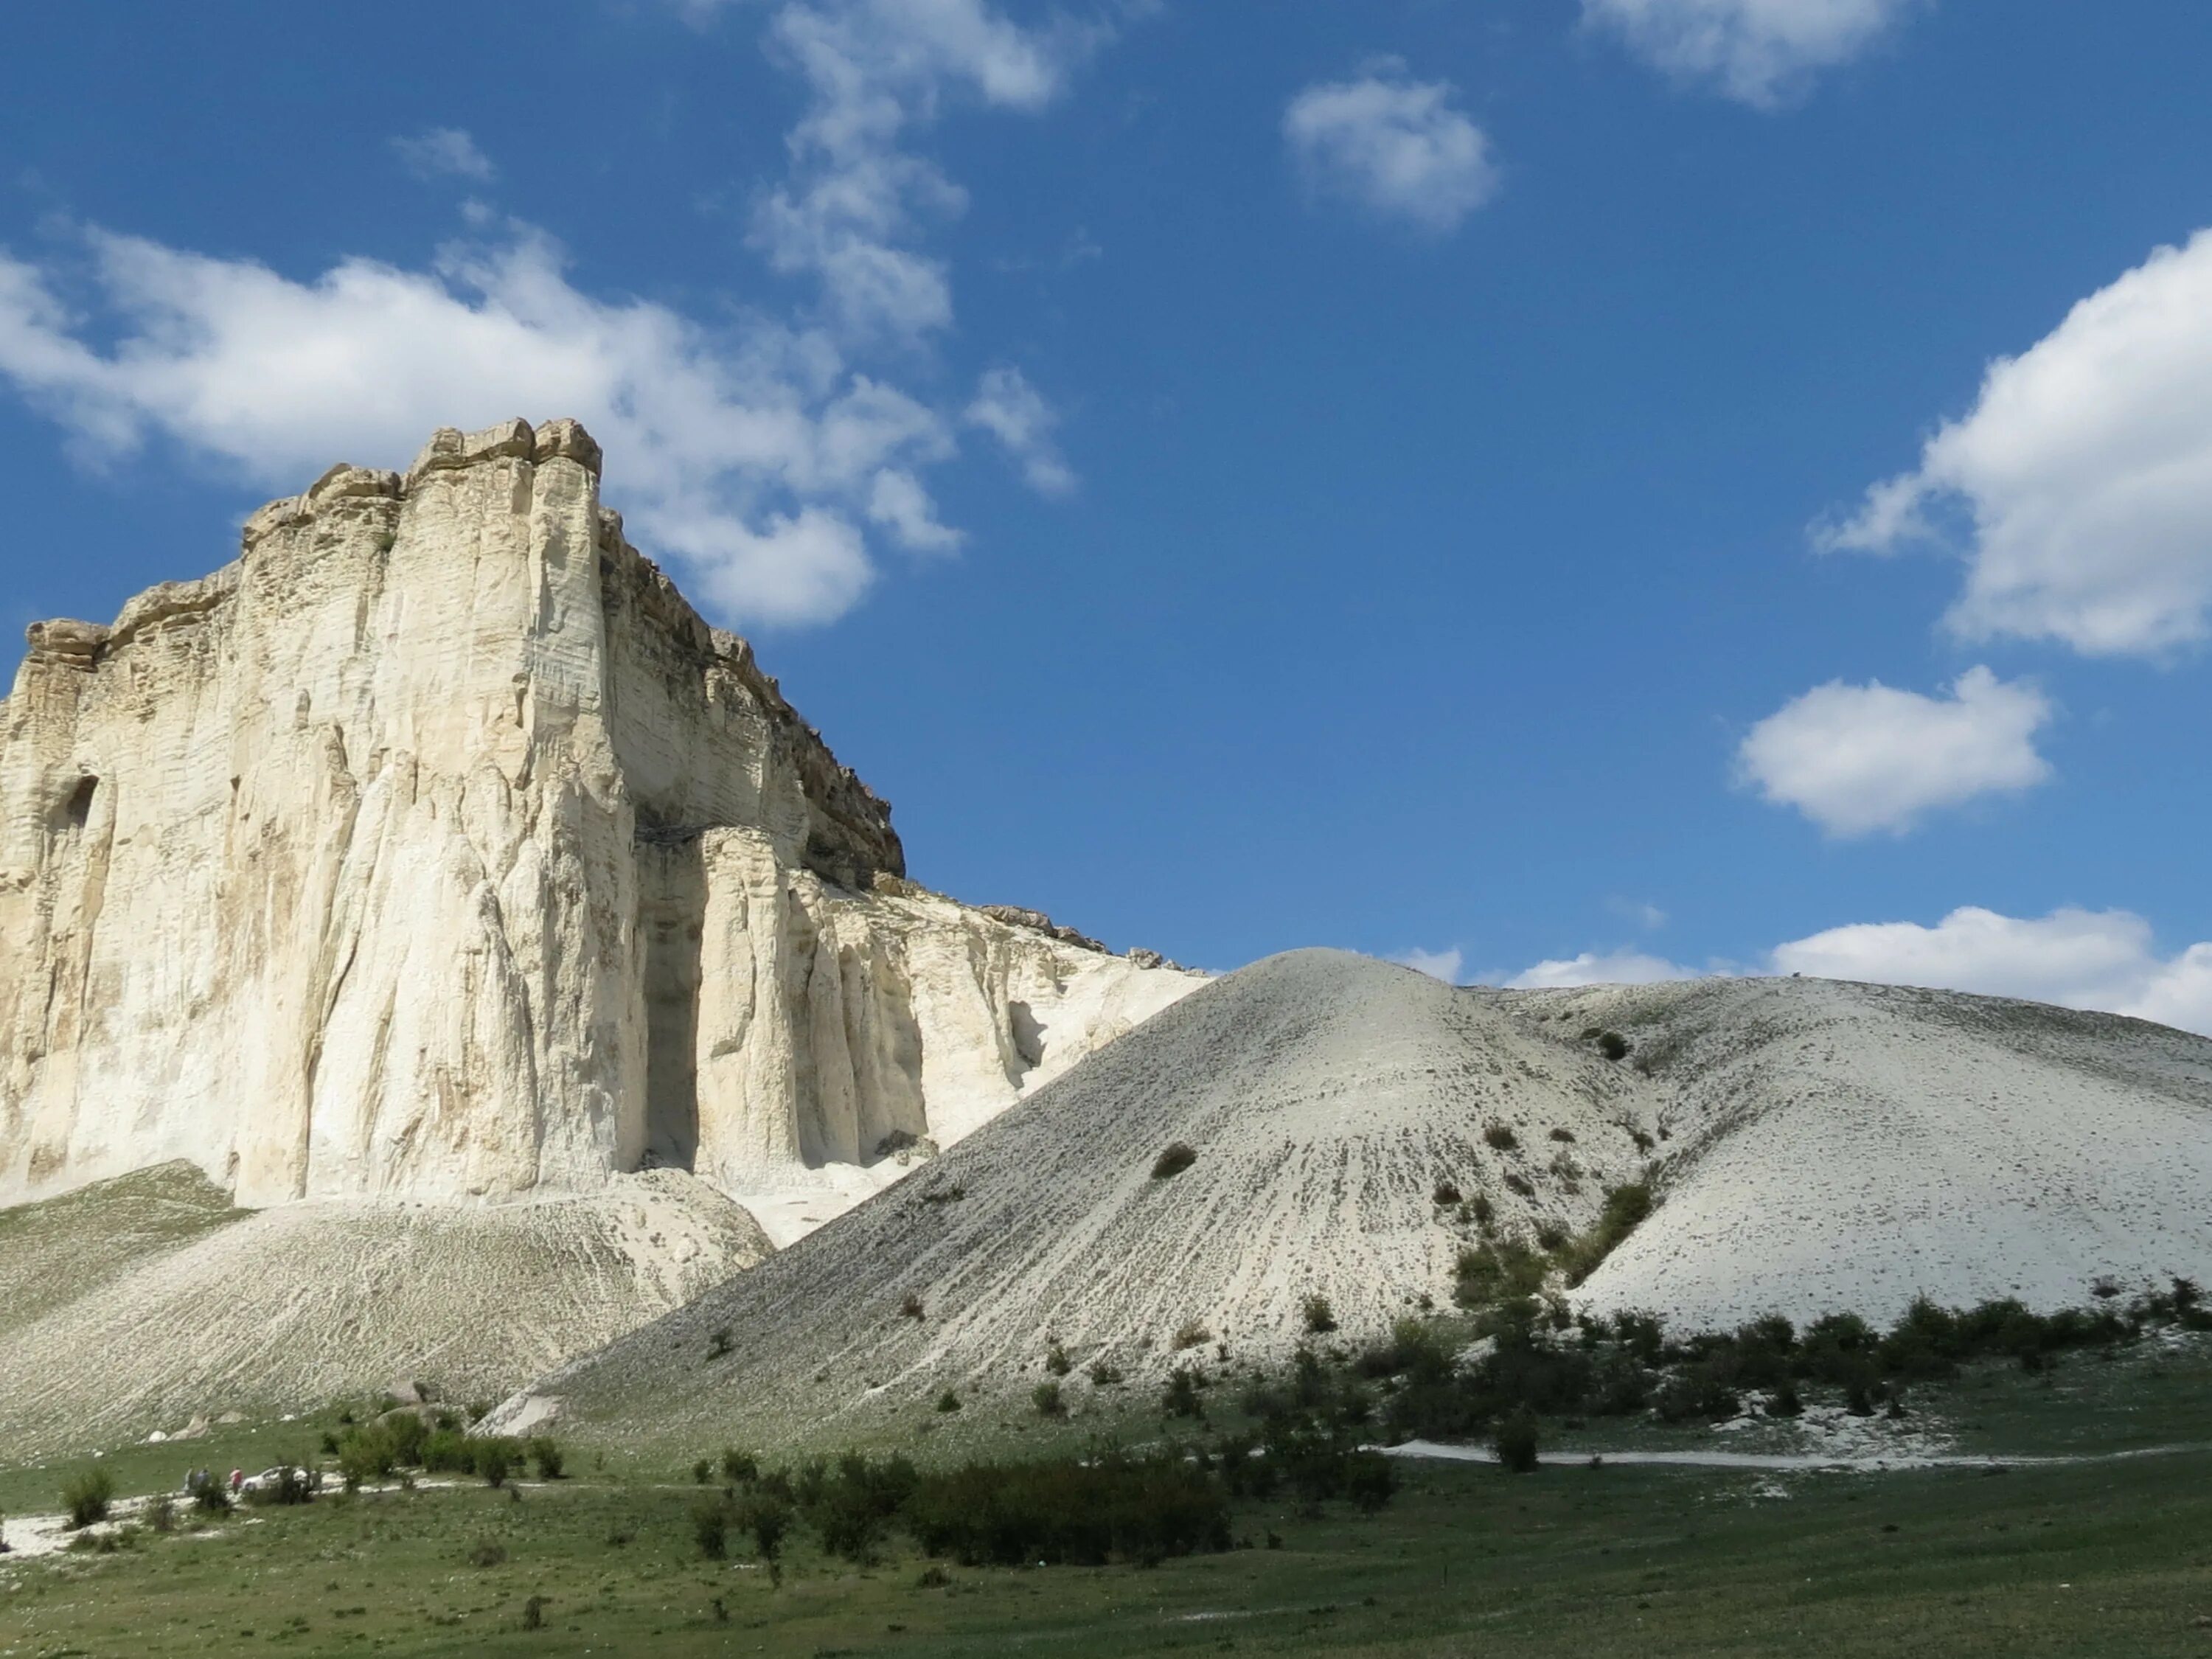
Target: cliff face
x=436 y=849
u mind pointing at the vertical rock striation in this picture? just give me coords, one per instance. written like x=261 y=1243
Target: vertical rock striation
x=436 y=849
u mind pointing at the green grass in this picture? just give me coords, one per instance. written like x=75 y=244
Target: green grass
x=59 y=1248
x=2094 y=1559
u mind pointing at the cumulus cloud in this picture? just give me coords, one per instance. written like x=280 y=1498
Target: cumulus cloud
x=1392 y=144
x=751 y=455
x=876 y=71
x=2102 y=959
x=2083 y=473
x=445 y=152
x=1856 y=759
x=1437 y=964
x=1600 y=968
x=1761 y=52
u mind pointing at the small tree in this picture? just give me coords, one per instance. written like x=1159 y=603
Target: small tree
x=739 y=1468
x=1515 y=1442
x=1320 y=1318
x=1046 y=1397
x=710 y=1528
x=549 y=1459
x=1180 y=1398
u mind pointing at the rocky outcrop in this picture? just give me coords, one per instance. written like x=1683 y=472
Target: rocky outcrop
x=436 y=849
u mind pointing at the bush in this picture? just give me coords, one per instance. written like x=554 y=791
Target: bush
x=1191 y=1334
x=739 y=1468
x=948 y=1401
x=1445 y=1195
x=766 y=1517
x=486 y=1555
x=546 y=1455
x=1566 y=1136
x=1320 y=1318
x=1626 y=1207
x=702 y=1472
x=290 y=1487
x=1500 y=1137
x=1105 y=1373
x=161 y=1513
x=719 y=1344
x=1493 y=1273
x=86 y=1498
x=1514 y=1442
x=910 y=1307
x=1046 y=1398
x=1520 y=1184
x=1612 y=1045
x=210 y=1497
x=1057 y=1362
x=1173 y=1161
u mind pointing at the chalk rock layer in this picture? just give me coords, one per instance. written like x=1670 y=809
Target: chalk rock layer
x=436 y=849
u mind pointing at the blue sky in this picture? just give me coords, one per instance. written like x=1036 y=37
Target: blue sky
x=1569 y=487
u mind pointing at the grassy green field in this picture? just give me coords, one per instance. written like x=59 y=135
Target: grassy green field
x=2112 y=1556
x=2091 y=1559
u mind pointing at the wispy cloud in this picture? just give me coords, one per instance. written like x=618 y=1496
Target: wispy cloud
x=1013 y=411
x=1761 y=52
x=445 y=153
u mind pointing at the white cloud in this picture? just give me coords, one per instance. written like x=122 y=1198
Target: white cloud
x=2103 y=959
x=1860 y=758
x=2086 y=472
x=875 y=71
x=1437 y=964
x=445 y=152
x=1014 y=412
x=1392 y=144
x=1760 y=52
x=1600 y=968
x=748 y=455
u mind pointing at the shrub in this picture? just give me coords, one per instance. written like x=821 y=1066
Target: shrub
x=1493 y=1273
x=1551 y=1236
x=948 y=1401
x=86 y=1498
x=486 y=1555
x=161 y=1513
x=739 y=1468
x=710 y=1528
x=767 y=1517
x=703 y=1471
x=1445 y=1195
x=1105 y=1373
x=1180 y=1397
x=495 y=1461
x=1106 y=1508
x=1644 y=1142
x=533 y=1613
x=910 y=1306
x=1612 y=1045
x=1514 y=1442
x=1520 y=1184
x=1482 y=1210
x=1046 y=1398
x=1368 y=1479
x=1626 y=1207
x=1567 y=1136
x=1500 y=1137
x=1320 y=1318
x=547 y=1456
x=211 y=1496
x=1173 y=1161
x=1784 y=1402
x=1191 y=1334
x=719 y=1344
x=1057 y=1362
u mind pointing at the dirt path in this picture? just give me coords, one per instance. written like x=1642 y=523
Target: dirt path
x=1855 y=1463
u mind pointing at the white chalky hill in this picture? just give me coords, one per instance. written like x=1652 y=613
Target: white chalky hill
x=1813 y=1146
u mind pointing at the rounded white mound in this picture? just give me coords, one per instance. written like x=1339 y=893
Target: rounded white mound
x=148 y=1302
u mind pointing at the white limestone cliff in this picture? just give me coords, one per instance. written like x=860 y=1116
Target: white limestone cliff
x=436 y=849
